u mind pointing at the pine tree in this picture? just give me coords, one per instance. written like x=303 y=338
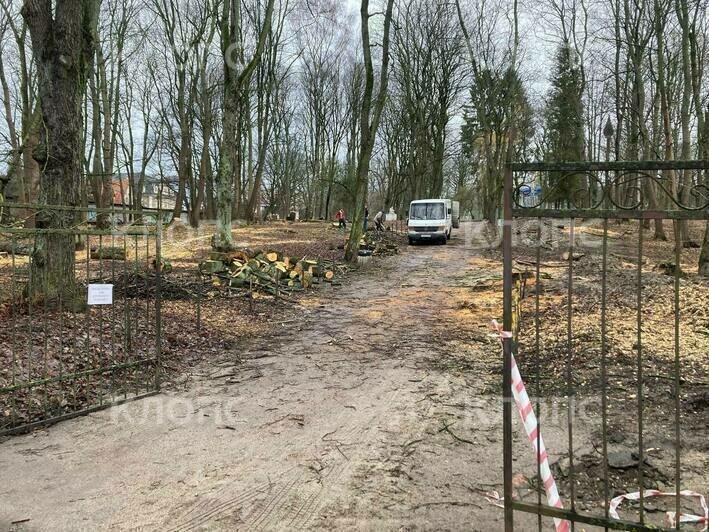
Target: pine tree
x=564 y=121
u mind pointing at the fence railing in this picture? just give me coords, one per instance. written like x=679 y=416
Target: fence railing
x=587 y=338
x=82 y=332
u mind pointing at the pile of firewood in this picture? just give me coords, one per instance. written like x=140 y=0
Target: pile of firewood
x=378 y=243
x=266 y=271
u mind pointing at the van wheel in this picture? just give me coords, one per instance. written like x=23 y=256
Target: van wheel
x=411 y=241
x=444 y=241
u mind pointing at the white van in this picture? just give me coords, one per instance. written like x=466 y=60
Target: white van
x=432 y=219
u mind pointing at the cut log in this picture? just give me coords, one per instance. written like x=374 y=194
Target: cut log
x=316 y=270
x=307 y=279
x=238 y=256
x=216 y=255
x=108 y=252
x=576 y=256
x=16 y=249
x=212 y=266
x=269 y=271
x=304 y=265
x=238 y=270
x=253 y=252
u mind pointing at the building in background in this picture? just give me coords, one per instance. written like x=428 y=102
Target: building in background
x=158 y=196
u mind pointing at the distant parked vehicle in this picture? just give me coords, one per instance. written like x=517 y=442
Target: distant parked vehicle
x=433 y=220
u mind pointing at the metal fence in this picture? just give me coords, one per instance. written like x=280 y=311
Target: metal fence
x=62 y=358
x=572 y=344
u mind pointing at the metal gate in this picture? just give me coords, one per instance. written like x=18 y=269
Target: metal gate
x=58 y=362
x=602 y=331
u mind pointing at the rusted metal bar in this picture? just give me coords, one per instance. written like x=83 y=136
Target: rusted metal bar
x=677 y=370
x=577 y=517
x=641 y=447
x=537 y=363
x=507 y=344
x=72 y=208
x=126 y=315
x=610 y=206
x=591 y=214
x=13 y=317
x=570 y=388
x=71 y=415
x=158 y=308
x=78 y=231
x=63 y=364
x=604 y=369
x=95 y=371
x=610 y=166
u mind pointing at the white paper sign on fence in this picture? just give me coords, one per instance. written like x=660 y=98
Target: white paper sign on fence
x=100 y=294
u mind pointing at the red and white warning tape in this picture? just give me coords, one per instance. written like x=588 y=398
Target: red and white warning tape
x=531 y=427
x=671 y=516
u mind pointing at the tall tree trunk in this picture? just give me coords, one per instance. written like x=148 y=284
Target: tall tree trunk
x=62 y=40
x=235 y=79
x=702 y=140
x=685 y=118
x=370 y=116
x=105 y=141
x=668 y=141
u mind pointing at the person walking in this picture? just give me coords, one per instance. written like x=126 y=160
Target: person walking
x=379 y=221
x=341 y=218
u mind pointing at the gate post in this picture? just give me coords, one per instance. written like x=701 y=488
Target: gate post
x=507 y=343
x=158 y=301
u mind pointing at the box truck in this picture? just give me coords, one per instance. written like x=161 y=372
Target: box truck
x=432 y=220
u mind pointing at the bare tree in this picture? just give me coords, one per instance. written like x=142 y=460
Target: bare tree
x=498 y=105
x=23 y=170
x=370 y=115
x=428 y=61
x=236 y=76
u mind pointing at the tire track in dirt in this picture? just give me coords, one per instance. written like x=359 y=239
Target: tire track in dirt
x=286 y=503
x=311 y=505
x=293 y=502
x=296 y=504
x=210 y=509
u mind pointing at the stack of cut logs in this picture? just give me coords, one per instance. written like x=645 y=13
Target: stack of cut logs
x=266 y=271
x=378 y=243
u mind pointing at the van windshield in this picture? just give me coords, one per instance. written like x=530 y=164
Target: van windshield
x=427 y=211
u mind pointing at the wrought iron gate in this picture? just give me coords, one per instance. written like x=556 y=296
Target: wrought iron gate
x=58 y=362
x=586 y=335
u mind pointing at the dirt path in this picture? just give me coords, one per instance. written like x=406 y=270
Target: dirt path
x=377 y=408
x=335 y=421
